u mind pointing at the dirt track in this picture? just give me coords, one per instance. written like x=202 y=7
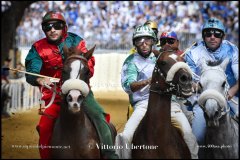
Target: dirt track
x=20 y=138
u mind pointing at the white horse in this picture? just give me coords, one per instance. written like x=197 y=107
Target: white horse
x=221 y=137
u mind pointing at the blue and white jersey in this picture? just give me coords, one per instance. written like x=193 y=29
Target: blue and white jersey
x=137 y=68
x=194 y=58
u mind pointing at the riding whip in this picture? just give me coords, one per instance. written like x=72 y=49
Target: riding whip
x=194 y=43
x=52 y=79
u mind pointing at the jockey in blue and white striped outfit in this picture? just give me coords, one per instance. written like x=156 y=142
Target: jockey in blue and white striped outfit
x=213 y=47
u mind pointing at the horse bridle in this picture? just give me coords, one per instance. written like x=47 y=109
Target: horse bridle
x=172 y=86
x=224 y=110
x=80 y=57
x=54 y=89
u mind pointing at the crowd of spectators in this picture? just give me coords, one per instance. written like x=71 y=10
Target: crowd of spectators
x=109 y=24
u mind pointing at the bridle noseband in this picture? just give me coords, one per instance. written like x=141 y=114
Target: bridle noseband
x=171 y=86
x=168 y=91
x=80 y=57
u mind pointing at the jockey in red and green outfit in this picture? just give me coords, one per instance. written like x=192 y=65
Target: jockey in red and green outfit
x=46 y=58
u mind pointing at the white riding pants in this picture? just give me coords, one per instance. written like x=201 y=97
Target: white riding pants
x=140 y=109
x=179 y=120
x=125 y=138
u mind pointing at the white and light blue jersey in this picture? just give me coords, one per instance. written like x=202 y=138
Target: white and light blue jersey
x=137 y=68
x=194 y=58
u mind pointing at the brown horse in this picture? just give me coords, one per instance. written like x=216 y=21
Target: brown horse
x=155 y=136
x=74 y=134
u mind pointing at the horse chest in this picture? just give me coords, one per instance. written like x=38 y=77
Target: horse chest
x=81 y=141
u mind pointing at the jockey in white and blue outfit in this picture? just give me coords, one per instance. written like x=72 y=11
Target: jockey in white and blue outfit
x=135 y=78
x=213 y=48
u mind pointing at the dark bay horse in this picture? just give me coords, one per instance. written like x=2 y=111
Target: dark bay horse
x=74 y=132
x=221 y=138
x=161 y=140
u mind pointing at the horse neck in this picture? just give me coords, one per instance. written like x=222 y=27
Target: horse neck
x=225 y=122
x=159 y=111
x=228 y=128
x=71 y=120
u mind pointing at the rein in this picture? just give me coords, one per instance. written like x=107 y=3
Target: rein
x=168 y=91
x=224 y=109
x=42 y=106
x=77 y=57
x=172 y=86
x=80 y=57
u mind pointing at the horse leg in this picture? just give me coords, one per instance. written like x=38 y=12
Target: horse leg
x=122 y=146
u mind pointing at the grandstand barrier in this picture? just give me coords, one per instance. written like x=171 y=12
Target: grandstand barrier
x=23 y=96
x=107 y=76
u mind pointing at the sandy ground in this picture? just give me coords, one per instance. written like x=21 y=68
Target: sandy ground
x=20 y=138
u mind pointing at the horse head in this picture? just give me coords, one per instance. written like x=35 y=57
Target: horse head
x=75 y=77
x=213 y=83
x=171 y=75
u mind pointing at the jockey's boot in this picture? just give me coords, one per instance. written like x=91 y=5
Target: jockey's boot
x=96 y=114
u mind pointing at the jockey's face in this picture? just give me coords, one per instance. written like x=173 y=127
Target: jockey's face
x=54 y=33
x=213 y=39
x=144 y=45
x=169 y=43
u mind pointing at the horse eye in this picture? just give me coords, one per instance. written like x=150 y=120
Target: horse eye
x=224 y=83
x=217 y=114
x=80 y=98
x=69 y=98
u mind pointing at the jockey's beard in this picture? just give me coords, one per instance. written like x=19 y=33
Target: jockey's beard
x=55 y=42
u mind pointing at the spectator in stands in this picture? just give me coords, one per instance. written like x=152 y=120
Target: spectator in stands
x=170 y=18
x=5 y=97
x=213 y=47
x=170 y=40
x=4 y=72
x=45 y=54
x=21 y=68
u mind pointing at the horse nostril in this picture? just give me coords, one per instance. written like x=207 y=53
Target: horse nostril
x=183 y=78
x=75 y=105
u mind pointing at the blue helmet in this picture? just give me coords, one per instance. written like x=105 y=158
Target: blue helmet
x=214 y=23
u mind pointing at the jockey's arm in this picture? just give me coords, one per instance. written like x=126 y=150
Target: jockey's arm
x=232 y=91
x=33 y=64
x=135 y=86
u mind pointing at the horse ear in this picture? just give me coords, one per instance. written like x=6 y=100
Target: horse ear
x=65 y=50
x=89 y=53
x=224 y=64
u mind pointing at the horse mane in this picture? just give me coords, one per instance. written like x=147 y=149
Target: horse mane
x=214 y=63
x=158 y=52
x=75 y=51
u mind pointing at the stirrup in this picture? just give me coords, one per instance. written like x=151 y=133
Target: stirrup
x=41 y=108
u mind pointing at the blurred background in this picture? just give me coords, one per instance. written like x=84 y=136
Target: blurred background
x=109 y=25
